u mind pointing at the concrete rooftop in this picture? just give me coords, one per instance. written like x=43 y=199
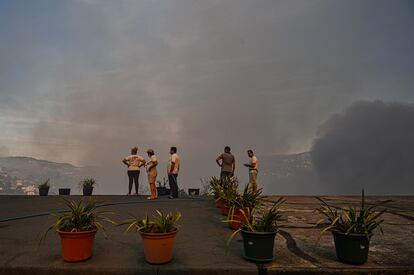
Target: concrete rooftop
x=200 y=247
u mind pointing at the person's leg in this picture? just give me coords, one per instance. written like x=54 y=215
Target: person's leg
x=175 y=176
x=130 y=178
x=170 y=183
x=172 y=180
x=253 y=180
x=136 y=181
x=152 y=177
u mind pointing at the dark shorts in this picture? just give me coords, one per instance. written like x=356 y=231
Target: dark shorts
x=225 y=174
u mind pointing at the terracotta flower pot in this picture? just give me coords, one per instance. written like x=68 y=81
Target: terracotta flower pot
x=77 y=246
x=219 y=203
x=158 y=247
x=225 y=210
x=237 y=216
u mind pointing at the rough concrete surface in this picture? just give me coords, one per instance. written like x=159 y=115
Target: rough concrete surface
x=200 y=247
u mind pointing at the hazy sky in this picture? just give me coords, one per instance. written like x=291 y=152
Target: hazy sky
x=82 y=81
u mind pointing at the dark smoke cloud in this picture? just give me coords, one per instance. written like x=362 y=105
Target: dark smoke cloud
x=371 y=146
x=82 y=81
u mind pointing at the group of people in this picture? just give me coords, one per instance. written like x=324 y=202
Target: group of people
x=135 y=162
x=227 y=162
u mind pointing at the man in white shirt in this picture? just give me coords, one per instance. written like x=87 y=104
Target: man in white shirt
x=172 y=171
x=253 y=169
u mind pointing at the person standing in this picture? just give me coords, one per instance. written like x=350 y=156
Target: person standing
x=227 y=164
x=152 y=173
x=134 y=163
x=253 y=169
x=172 y=171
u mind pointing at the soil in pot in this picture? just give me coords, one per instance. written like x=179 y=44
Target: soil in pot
x=258 y=246
x=158 y=247
x=64 y=191
x=351 y=249
x=43 y=191
x=87 y=191
x=77 y=246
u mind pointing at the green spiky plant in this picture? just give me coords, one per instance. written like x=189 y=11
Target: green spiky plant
x=80 y=216
x=45 y=184
x=87 y=183
x=160 y=223
x=362 y=221
x=265 y=222
x=248 y=200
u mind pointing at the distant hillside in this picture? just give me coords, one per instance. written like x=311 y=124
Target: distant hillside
x=288 y=174
x=18 y=172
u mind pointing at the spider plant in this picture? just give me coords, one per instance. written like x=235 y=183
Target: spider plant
x=265 y=222
x=362 y=221
x=80 y=216
x=160 y=223
x=45 y=184
x=87 y=183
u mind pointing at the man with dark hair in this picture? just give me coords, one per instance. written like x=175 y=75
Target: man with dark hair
x=253 y=165
x=227 y=164
x=172 y=171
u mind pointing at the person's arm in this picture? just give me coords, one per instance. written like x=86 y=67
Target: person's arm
x=125 y=161
x=234 y=165
x=153 y=163
x=217 y=160
x=173 y=161
x=141 y=162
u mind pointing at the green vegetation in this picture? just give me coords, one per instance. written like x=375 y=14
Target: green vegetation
x=87 y=183
x=80 y=217
x=161 y=223
x=361 y=221
x=45 y=184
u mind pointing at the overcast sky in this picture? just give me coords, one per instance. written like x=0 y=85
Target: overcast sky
x=82 y=81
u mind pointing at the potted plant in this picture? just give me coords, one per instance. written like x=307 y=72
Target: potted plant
x=246 y=201
x=44 y=188
x=64 y=191
x=352 y=229
x=77 y=228
x=87 y=186
x=227 y=191
x=158 y=235
x=259 y=233
x=162 y=190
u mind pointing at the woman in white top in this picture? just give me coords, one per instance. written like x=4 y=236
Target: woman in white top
x=134 y=163
x=152 y=173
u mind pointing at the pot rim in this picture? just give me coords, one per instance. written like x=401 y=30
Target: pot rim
x=259 y=233
x=349 y=235
x=77 y=233
x=158 y=234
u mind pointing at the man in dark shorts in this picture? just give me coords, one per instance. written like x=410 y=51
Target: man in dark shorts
x=227 y=164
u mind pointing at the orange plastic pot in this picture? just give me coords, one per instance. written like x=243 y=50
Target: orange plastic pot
x=77 y=246
x=158 y=247
x=225 y=210
x=239 y=220
x=218 y=203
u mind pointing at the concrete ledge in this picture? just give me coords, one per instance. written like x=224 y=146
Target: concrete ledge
x=200 y=247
